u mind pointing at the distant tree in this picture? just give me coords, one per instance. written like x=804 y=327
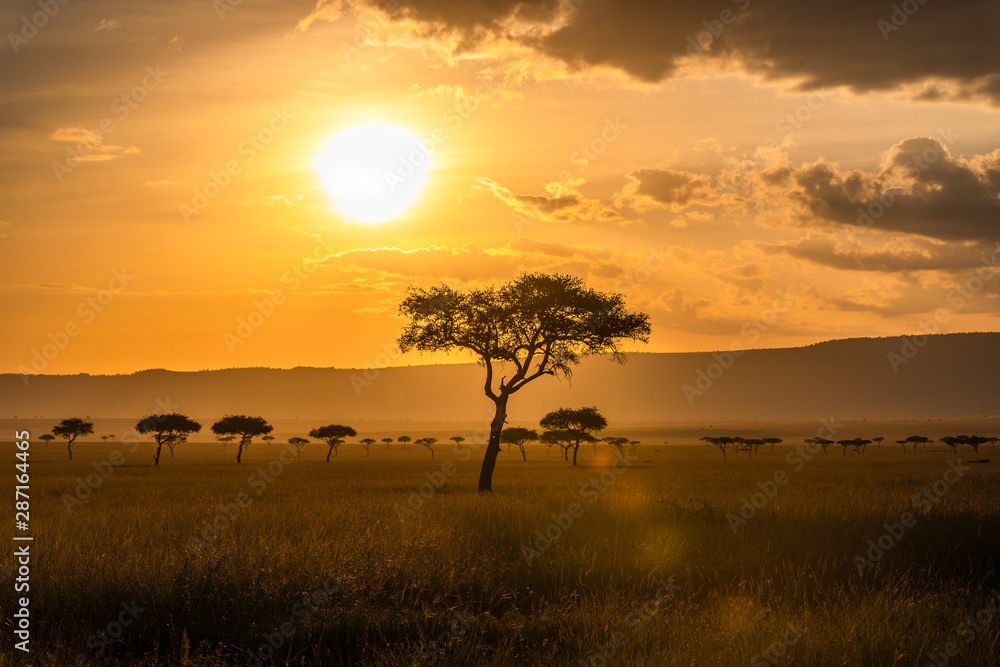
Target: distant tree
x=517 y=436
x=458 y=440
x=917 y=440
x=822 y=442
x=46 y=437
x=540 y=324
x=111 y=437
x=859 y=444
x=748 y=445
x=772 y=442
x=333 y=435
x=993 y=442
x=367 y=443
x=244 y=426
x=298 y=444
x=71 y=429
x=566 y=440
x=167 y=429
x=878 y=441
x=580 y=423
x=387 y=441
x=404 y=439
x=428 y=443
x=268 y=439
x=721 y=443
x=225 y=440
x=617 y=443
x=634 y=444
x=952 y=442
x=104 y=438
x=904 y=443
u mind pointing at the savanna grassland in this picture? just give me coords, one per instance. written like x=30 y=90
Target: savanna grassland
x=649 y=565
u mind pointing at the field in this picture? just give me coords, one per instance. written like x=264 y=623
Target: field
x=395 y=559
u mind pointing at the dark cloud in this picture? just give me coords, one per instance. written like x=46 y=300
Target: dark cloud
x=858 y=44
x=920 y=188
x=666 y=188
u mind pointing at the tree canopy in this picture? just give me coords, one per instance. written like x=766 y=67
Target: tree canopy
x=245 y=426
x=71 y=429
x=168 y=429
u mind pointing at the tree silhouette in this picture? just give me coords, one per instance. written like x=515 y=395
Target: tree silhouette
x=333 y=435
x=112 y=437
x=858 y=443
x=952 y=442
x=577 y=424
x=428 y=443
x=169 y=429
x=458 y=440
x=634 y=444
x=822 y=442
x=772 y=442
x=539 y=324
x=404 y=439
x=268 y=439
x=916 y=440
x=617 y=443
x=225 y=440
x=46 y=437
x=104 y=438
x=515 y=435
x=721 y=443
x=298 y=444
x=367 y=443
x=387 y=441
x=566 y=440
x=71 y=429
x=878 y=441
x=244 y=426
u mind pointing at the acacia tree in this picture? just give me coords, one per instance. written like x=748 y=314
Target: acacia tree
x=458 y=440
x=268 y=439
x=225 y=440
x=517 y=436
x=577 y=425
x=404 y=439
x=772 y=442
x=565 y=440
x=721 y=443
x=71 y=429
x=878 y=441
x=917 y=440
x=333 y=435
x=244 y=426
x=367 y=443
x=617 y=443
x=535 y=325
x=387 y=441
x=298 y=444
x=428 y=443
x=170 y=429
x=47 y=437
x=822 y=442
x=634 y=444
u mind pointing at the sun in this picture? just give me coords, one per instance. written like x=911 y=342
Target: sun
x=373 y=172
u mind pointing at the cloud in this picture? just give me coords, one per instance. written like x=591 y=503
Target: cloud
x=561 y=202
x=894 y=256
x=88 y=145
x=107 y=25
x=938 y=50
x=654 y=188
x=920 y=188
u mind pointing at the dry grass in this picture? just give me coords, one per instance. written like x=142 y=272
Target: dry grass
x=408 y=582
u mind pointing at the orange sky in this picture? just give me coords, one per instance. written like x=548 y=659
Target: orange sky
x=714 y=189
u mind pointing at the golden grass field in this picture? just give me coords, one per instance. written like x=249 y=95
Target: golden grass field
x=647 y=571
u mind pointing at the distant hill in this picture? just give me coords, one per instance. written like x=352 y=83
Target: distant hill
x=950 y=375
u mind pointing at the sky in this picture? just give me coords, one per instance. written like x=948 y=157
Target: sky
x=749 y=173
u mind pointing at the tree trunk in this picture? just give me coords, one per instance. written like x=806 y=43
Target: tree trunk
x=524 y=456
x=493 y=448
x=69 y=447
x=575 y=450
x=156 y=457
x=328 y=452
